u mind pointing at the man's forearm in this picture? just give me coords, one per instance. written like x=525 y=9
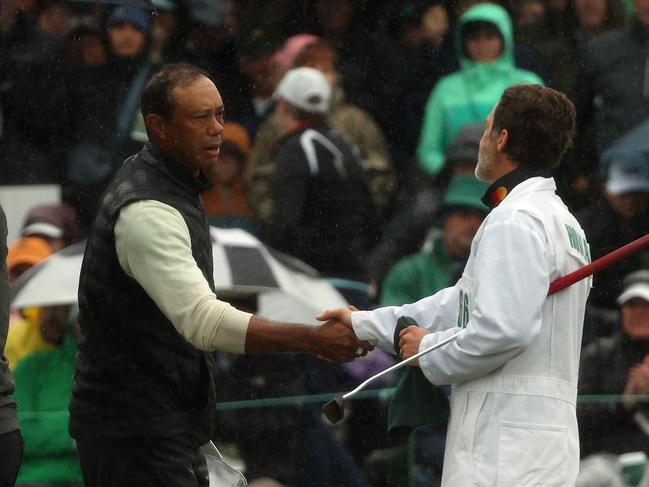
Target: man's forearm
x=333 y=341
x=264 y=336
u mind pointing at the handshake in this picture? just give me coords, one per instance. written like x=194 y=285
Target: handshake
x=337 y=342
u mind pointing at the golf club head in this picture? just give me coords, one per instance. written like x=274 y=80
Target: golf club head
x=333 y=410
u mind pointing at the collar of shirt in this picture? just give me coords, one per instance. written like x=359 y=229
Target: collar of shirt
x=500 y=188
x=177 y=171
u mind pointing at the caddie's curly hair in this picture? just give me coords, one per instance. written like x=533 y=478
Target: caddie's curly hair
x=540 y=122
x=156 y=97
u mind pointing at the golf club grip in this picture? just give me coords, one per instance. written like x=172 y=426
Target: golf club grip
x=605 y=261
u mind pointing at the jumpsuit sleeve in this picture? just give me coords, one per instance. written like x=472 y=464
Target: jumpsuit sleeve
x=512 y=277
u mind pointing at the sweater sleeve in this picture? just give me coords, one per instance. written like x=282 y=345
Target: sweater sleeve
x=154 y=247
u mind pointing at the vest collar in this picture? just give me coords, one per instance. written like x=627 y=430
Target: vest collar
x=500 y=188
x=176 y=171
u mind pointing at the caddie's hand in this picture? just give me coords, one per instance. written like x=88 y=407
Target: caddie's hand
x=409 y=341
x=344 y=315
x=337 y=342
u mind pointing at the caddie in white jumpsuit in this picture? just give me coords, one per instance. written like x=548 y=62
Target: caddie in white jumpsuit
x=514 y=366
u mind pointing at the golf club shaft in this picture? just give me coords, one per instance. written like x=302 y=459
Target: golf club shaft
x=398 y=365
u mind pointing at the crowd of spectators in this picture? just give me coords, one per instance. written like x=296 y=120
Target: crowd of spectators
x=410 y=83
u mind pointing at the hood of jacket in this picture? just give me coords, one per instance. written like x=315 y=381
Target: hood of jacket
x=496 y=15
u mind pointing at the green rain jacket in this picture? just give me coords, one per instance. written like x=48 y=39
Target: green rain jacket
x=43 y=392
x=419 y=275
x=468 y=95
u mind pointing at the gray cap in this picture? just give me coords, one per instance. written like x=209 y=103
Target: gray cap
x=465 y=145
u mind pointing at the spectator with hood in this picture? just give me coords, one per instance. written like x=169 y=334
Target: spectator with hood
x=484 y=45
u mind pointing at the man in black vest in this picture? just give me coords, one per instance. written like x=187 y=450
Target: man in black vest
x=143 y=397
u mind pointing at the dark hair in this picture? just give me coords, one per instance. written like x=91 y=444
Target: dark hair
x=156 y=97
x=540 y=122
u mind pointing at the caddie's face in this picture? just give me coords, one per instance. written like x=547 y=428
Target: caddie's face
x=193 y=134
x=487 y=153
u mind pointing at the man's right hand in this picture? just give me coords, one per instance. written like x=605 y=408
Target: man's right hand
x=337 y=342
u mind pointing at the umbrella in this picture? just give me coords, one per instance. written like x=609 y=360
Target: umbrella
x=285 y=288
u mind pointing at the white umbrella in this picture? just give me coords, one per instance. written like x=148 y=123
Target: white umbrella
x=286 y=289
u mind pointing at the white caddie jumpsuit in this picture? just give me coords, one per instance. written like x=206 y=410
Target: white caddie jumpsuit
x=514 y=366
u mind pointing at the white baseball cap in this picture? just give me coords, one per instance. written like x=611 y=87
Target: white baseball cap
x=636 y=285
x=627 y=172
x=305 y=89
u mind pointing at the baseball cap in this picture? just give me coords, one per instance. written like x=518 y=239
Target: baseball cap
x=306 y=89
x=52 y=221
x=125 y=14
x=465 y=146
x=27 y=250
x=628 y=171
x=636 y=285
x=465 y=191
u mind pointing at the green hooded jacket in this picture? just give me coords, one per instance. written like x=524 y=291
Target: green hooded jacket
x=468 y=95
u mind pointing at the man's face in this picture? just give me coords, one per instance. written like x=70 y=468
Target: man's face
x=126 y=41
x=487 y=153
x=484 y=46
x=459 y=229
x=193 y=134
x=635 y=318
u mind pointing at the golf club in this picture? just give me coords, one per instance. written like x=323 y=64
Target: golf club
x=334 y=411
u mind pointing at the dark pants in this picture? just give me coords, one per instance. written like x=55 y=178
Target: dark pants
x=11 y=454
x=142 y=462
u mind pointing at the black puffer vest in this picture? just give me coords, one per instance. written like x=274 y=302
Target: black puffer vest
x=136 y=375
